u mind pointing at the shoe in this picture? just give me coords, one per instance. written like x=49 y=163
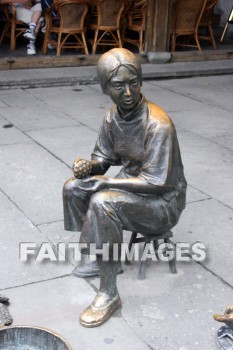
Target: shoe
x=43 y=26
x=29 y=34
x=94 y=316
x=51 y=46
x=31 y=49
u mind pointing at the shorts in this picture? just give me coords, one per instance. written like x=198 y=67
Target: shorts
x=25 y=15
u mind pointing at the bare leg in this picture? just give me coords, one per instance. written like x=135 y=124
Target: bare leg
x=36 y=17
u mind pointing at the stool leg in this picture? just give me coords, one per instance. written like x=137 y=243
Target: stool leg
x=172 y=262
x=132 y=240
x=142 y=267
x=156 y=247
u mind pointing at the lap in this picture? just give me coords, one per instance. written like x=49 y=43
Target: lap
x=145 y=214
x=136 y=212
x=24 y=15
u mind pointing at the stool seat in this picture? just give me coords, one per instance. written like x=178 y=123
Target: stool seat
x=154 y=239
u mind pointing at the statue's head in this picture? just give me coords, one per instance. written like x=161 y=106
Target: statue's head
x=120 y=77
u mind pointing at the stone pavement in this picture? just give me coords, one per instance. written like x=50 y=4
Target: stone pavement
x=52 y=126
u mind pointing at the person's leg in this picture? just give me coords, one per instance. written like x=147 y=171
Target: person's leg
x=110 y=212
x=23 y=14
x=75 y=204
x=34 y=24
x=107 y=300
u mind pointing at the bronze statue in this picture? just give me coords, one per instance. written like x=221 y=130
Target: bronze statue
x=147 y=196
x=225 y=333
x=5 y=317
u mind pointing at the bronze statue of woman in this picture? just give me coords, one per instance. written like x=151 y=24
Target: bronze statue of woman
x=147 y=196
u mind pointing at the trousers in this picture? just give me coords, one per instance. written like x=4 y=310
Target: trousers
x=102 y=216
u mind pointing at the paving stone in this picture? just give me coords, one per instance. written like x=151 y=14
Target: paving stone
x=225 y=141
x=9 y=135
x=60 y=309
x=17 y=229
x=33 y=179
x=19 y=98
x=215 y=91
x=3 y=105
x=67 y=143
x=194 y=195
x=40 y=118
x=82 y=98
x=171 y=101
x=201 y=122
x=173 y=311
x=55 y=233
x=208 y=167
x=211 y=223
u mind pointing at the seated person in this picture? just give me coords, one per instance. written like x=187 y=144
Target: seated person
x=29 y=13
x=147 y=196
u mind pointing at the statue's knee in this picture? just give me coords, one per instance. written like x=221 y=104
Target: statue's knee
x=98 y=199
x=69 y=187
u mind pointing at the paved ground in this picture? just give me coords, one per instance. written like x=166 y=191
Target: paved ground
x=53 y=125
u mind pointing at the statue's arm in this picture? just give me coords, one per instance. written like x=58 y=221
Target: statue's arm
x=99 y=167
x=135 y=185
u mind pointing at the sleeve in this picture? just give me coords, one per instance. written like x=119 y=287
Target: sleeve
x=159 y=166
x=104 y=147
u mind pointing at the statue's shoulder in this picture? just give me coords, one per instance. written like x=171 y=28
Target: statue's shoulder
x=158 y=115
x=110 y=114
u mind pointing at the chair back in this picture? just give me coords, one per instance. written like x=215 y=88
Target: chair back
x=188 y=15
x=109 y=14
x=208 y=12
x=137 y=14
x=72 y=14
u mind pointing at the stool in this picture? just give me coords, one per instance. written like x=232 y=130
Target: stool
x=229 y=21
x=154 y=239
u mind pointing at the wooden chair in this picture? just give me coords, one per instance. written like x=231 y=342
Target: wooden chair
x=13 y=28
x=185 y=23
x=136 y=22
x=154 y=239
x=68 y=24
x=206 y=23
x=106 y=24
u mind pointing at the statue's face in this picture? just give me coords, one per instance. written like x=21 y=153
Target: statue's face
x=124 y=89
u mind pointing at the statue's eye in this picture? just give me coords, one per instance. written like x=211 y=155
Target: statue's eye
x=134 y=82
x=117 y=86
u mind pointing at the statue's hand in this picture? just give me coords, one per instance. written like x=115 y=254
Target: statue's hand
x=96 y=183
x=81 y=168
x=227 y=318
